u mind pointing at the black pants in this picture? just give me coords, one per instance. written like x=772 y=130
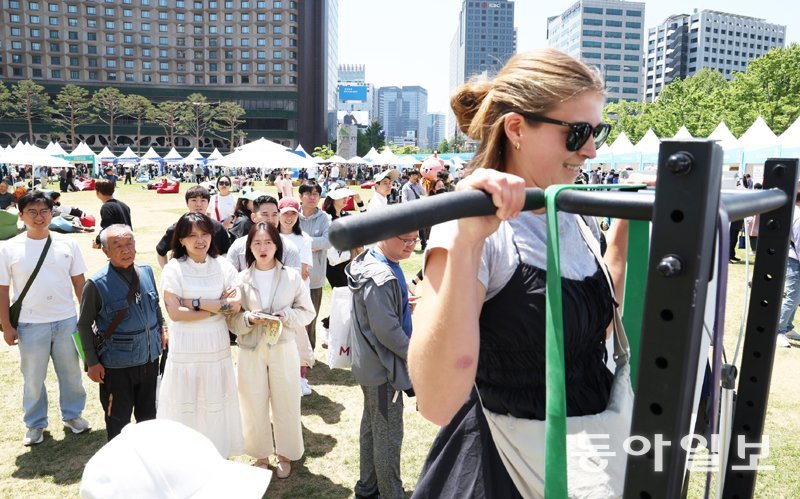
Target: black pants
x=128 y=390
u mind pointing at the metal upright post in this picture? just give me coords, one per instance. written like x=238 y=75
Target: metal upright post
x=681 y=256
x=762 y=323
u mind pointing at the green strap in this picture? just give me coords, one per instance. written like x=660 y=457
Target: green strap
x=555 y=467
x=635 y=282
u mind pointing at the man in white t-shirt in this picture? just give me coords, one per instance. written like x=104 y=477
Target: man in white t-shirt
x=47 y=318
x=383 y=187
x=265 y=209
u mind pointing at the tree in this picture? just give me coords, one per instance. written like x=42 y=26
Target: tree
x=398 y=150
x=72 y=108
x=444 y=147
x=323 y=152
x=5 y=101
x=198 y=116
x=227 y=120
x=375 y=136
x=29 y=101
x=109 y=104
x=362 y=145
x=167 y=115
x=137 y=107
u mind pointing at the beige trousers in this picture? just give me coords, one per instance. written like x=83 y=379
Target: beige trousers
x=269 y=391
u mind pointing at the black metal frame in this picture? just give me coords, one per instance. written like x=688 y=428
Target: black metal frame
x=762 y=322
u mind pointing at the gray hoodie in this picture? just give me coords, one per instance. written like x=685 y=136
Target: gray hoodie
x=317 y=226
x=379 y=346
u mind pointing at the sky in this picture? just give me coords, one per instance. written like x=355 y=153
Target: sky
x=407 y=42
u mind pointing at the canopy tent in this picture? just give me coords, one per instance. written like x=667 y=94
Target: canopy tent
x=732 y=149
x=604 y=155
x=648 y=147
x=267 y=157
x=173 y=156
x=386 y=157
x=262 y=144
x=371 y=154
x=406 y=160
x=759 y=143
x=790 y=141
x=151 y=154
x=215 y=155
x=55 y=149
x=26 y=154
x=623 y=152
x=128 y=156
x=106 y=156
x=682 y=134
x=356 y=160
x=299 y=150
x=194 y=158
x=333 y=159
x=83 y=154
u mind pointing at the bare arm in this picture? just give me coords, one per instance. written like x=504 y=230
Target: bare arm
x=162 y=260
x=443 y=355
x=9 y=333
x=77 y=284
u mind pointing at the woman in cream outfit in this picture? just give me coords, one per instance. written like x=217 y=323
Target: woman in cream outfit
x=269 y=388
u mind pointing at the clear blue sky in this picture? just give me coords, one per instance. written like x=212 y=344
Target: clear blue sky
x=407 y=42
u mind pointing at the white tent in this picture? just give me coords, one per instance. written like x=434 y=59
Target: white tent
x=731 y=147
x=300 y=149
x=262 y=144
x=106 y=155
x=623 y=152
x=195 y=158
x=55 y=149
x=790 y=140
x=406 y=160
x=371 y=154
x=151 y=154
x=648 y=148
x=386 y=157
x=26 y=154
x=128 y=156
x=334 y=159
x=173 y=156
x=214 y=155
x=683 y=134
x=758 y=143
x=356 y=160
x=267 y=157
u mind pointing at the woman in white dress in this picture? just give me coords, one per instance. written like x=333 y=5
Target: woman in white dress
x=269 y=389
x=200 y=289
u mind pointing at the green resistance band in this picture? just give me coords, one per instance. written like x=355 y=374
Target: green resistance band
x=555 y=467
x=635 y=283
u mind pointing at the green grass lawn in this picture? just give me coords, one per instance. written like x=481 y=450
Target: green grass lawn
x=331 y=415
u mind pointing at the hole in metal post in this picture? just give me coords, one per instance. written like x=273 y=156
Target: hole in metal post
x=667 y=315
x=770 y=251
x=753 y=379
x=676 y=216
x=661 y=363
x=656 y=409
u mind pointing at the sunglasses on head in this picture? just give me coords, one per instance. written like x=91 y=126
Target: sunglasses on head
x=578 y=134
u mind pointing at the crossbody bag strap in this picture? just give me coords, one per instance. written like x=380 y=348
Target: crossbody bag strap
x=621 y=347
x=35 y=271
x=132 y=291
x=216 y=205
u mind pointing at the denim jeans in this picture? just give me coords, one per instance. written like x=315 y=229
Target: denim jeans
x=37 y=343
x=791 y=298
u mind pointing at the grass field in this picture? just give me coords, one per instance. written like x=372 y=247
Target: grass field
x=331 y=415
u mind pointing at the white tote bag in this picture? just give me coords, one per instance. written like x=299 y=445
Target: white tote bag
x=339 y=329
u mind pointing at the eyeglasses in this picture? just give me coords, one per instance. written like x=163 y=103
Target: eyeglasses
x=408 y=242
x=39 y=213
x=223 y=183
x=579 y=133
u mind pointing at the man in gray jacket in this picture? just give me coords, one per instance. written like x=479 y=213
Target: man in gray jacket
x=315 y=223
x=380 y=334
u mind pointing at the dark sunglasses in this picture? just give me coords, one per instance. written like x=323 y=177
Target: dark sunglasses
x=224 y=183
x=579 y=133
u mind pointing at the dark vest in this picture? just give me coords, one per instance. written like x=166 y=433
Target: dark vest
x=137 y=339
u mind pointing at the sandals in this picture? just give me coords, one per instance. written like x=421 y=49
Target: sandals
x=262 y=463
x=284 y=468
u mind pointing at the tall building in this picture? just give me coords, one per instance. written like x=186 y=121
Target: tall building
x=485 y=39
x=270 y=56
x=331 y=102
x=436 y=130
x=355 y=95
x=606 y=34
x=684 y=44
x=402 y=111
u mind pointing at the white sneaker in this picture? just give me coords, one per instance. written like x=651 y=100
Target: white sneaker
x=782 y=342
x=33 y=436
x=304 y=388
x=77 y=425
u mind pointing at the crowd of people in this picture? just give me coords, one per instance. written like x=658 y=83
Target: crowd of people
x=252 y=269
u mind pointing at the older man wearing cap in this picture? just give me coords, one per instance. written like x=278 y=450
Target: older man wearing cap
x=383 y=187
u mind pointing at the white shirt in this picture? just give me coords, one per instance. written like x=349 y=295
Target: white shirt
x=224 y=205
x=377 y=202
x=50 y=297
x=334 y=172
x=286 y=188
x=303 y=242
x=236 y=253
x=264 y=280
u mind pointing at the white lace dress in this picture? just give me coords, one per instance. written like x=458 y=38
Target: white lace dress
x=199 y=385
